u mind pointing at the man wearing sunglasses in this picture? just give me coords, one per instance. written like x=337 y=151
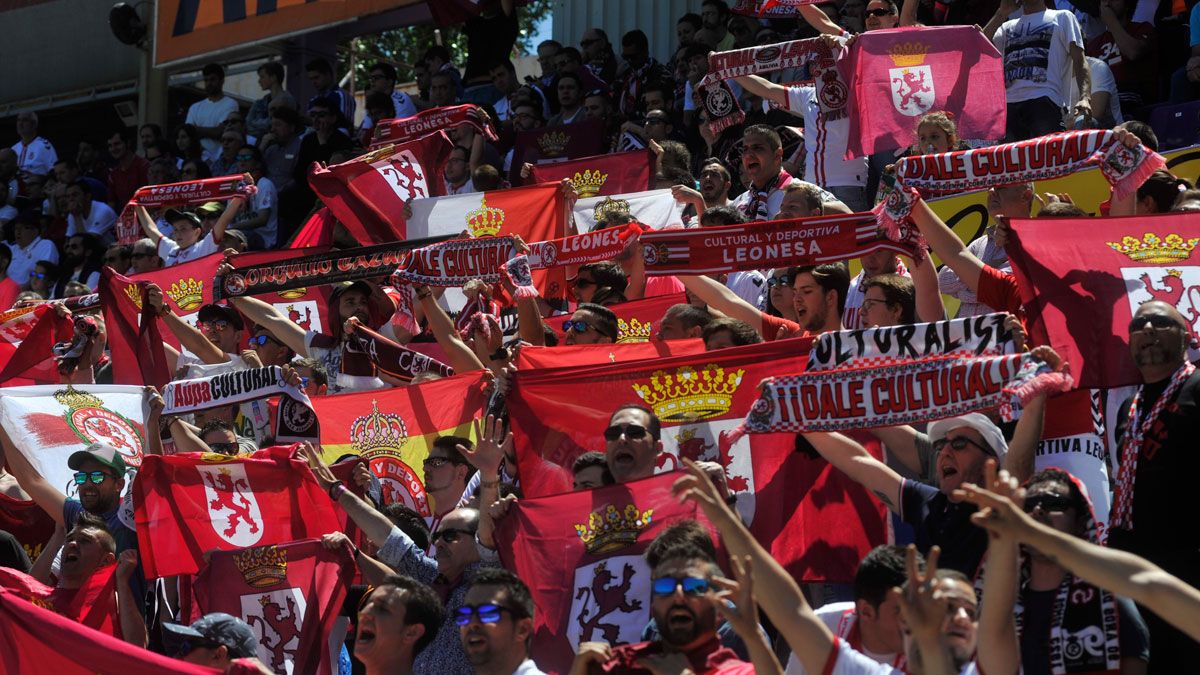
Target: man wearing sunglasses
x=495 y=623
x=144 y=256
x=590 y=324
x=213 y=640
x=269 y=349
x=632 y=443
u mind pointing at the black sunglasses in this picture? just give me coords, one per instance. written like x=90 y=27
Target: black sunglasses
x=781 y=280
x=1157 y=320
x=959 y=443
x=631 y=431
x=878 y=12
x=486 y=613
x=577 y=326
x=1049 y=503
x=450 y=535
x=224 y=448
x=583 y=283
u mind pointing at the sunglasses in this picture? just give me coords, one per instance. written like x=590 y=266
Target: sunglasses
x=1157 y=320
x=304 y=382
x=781 y=280
x=577 y=326
x=1049 y=503
x=878 y=12
x=38 y=275
x=244 y=158
x=435 y=462
x=960 y=443
x=225 y=448
x=630 y=431
x=487 y=614
x=583 y=283
x=260 y=340
x=219 y=324
x=664 y=586
x=96 y=477
x=450 y=535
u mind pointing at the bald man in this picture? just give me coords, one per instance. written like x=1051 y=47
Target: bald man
x=1159 y=465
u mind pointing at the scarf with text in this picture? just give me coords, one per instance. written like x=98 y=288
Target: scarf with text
x=296 y=420
x=1051 y=156
x=128 y=229
x=406 y=129
x=774 y=243
x=770 y=9
x=983 y=335
x=1131 y=445
x=455 y=262
x=365 y=347
x=919 y=390
x=815 y=53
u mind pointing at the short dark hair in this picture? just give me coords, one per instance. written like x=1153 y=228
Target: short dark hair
x=437 y=51
x=1144 y=132
x=520 y=600
x=214 y=425
x=289 y=115
x=569 y=75
x=1082 y=506
x=213 y=69
x=388 y=70
x=508 y=65
x=897 y=290
x=740 y=332
x=486 y=177
x=686 y=552
x=586 y=461
x=381 y=100
x=607 y=274
x=880 y=571
x=722 y=215
x=636 y=39
x=410 y=523
x=655 y=427
x=421 y=605
x=550 y=43
x=450 y=445
x=830 y=277
x=689 y=315
x=606 y=320
x=688 y=533
x=722 y=8
x=693 y=19
x=272 y=68
x=767 y=132
x=1062 y=210
x=571 y=53
x=319 y=65
x=87 y=520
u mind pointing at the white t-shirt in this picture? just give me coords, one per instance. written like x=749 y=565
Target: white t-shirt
x=206 y=113
x=25 y=259
x=38 y=157
x=749 y=286
x=844 y=660
x=855 y=294
x=332 y=360
x=1102 y=80
x=839 y=618
x=404 y=108
x=775 y=199
x=825 y=143
x=265 y=199
x=463 y=189
x=98 y=221
x=1037 y=55
x=172 y=254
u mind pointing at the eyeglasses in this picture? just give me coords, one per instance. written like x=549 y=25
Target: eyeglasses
x=664 y=586
x=1049 y=502
x=878 y=12
x=781 y=280
x=1158 y=321
x=450 y=535
x=435 y=462
x=189 y=645
x=96 y=477
x=260 y=340
x=575 y=325
x=218 y=325
x=960 y=443
x=630 y=431
x=487 y=614
x=868 y=303
x=244 y=158
x=38 y=275
x=654 y=120
x=304 y=382
x=583 y=283
x=225 y=448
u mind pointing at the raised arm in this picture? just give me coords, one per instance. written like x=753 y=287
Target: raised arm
x=821 y=21
x=739 y=606
x=1083 y=78
x=188 y=335
x=1006 y=8
x=40 y=490
x=902 y=443
x=947 y=246
x=149 y=227
x=929 y=298
x=231 y=210
x=999 y=649
x=776 y=93
x=853 y=460
x=263 y=314
x=133 y=625
x=374 y=524
x=460 y=356
x=718 y=296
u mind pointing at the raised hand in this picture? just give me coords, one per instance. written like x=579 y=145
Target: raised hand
x=490 y=449
x=126 y=563
x=696 y=486
x=1000 y=511
x=923 y=607
x=736 y=600
x=320 y=469
x=334 y=540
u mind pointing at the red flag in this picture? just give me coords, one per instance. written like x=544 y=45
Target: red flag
x=581 y=554
x=555 y=144
x=920 y=70
x=36 y=641
x=289 y=594
x=318 y=231
x=601 y=175
x=594 y=355
x=809 y=515
x=637 y=320
x=26 y=521
x=395 y=428
x=367 y=193
x=1084 y=278
x=94 y=604
x=187 y=504
x=27 y=337
x=133 y=331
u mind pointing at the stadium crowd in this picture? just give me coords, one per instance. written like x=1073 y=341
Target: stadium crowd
x=992 y=561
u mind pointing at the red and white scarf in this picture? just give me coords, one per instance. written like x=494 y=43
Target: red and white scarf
x=756 y=206
x=1041 y=158
x=408 y=129
x=179 y=194
x=1131 y=446
x=770 y=9
x=815 y=53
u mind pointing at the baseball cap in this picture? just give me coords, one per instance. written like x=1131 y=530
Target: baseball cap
x=215 y=312
x=237 y=234
x=105 y=454
x=210 y=209
x=216 y=628
x=977 y=421
x=175 y=215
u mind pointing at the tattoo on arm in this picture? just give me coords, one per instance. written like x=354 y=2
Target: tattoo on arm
x=885 y=499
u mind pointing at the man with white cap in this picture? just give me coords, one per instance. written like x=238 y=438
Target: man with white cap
x=213 y=640
x=961 y=445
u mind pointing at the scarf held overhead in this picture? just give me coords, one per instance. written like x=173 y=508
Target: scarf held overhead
x=920 y=390
x=815 y=53
x=406 y=129
x=295 y=422
x=454 y=263
x=179 y=194
x=983 y=335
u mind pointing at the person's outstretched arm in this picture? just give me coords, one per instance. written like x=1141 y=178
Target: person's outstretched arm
x=947 y=246
x=460 y=356
x=45 y=495
x=929 y=296
x=286 y=331
x=852 y=459
x=739 y=606
x=718 y=296
x=149 y=227
x=999 y=648
x=764 y=88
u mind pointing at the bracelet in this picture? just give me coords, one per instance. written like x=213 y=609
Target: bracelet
x=336 y=484
x=490 y=483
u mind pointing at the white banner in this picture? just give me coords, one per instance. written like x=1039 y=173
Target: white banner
x=982 y=335
x=656 y=208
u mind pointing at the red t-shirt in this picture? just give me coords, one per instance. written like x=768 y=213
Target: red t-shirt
x=772 y=324
x=706 y=659
x=122 y=183
x=1125 y=72
x=9 y=290
x=656 y=286
x=998 y=290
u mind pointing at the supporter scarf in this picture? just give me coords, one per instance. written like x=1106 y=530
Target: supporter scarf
x=983 y=335
x=455 y=262
x=368 y=262
x=407 y=129
x=295 y=421
x=813 y=52
x=179 y=194
x=67 y=354
x=1041 y=158
x=774 y=243
x=721 y=107
x=770 y=9
x=383 y=355
x=478 y=304
x=920 y=390
x=1131 y=447
x=581 y=249
x=756 y=208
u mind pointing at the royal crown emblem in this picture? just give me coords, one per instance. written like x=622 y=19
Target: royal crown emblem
x=588 y=182
x=93 y=423
x=134 y=294
x=689 y=395
x=485 y=221
x=908 y=54
x=634 y=330
x=554 y=144
x=609 y=205
x=77 y=400
x=188 y=294
x=1151 y=249
x=608 y=530
x=378 y=432
x=263 y=566
x=293 y=293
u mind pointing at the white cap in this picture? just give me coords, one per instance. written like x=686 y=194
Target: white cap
x=977 y=421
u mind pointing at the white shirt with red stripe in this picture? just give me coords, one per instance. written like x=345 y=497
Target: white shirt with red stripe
x=825 y=142
x=842 y=619
x=844 y=660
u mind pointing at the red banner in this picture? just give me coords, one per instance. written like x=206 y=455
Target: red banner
x=27 y=337
x=556 y=144
x=133 y=332
x=637 y=320
x=94 y=604
x=601 y=175
x=808 y=514
x=408 y=129
x=290 y=595
x=367 y=194
x=26 y=521
x=1083 y=279
x=919 y=70
x=593 y=355
x=187 y=504
x=395 y=428
x=581 y=554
